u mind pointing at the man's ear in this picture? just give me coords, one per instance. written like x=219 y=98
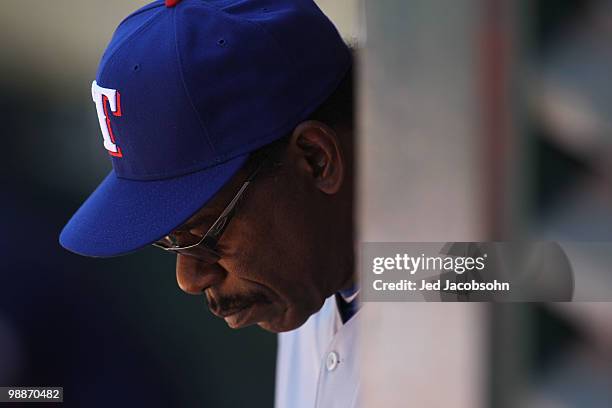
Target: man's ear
x=319 y=154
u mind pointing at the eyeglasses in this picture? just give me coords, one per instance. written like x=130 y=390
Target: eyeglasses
x=204 y=247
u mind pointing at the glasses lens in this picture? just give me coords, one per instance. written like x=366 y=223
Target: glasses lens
x=179 y=240
x=188 y=244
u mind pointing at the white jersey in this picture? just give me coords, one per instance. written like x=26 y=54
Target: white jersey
x=317 y=363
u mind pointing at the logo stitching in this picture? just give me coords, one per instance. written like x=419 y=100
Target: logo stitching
x=105 y=98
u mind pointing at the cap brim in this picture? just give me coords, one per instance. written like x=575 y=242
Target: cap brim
x=122 y=215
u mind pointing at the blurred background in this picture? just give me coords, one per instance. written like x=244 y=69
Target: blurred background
x=480 y=120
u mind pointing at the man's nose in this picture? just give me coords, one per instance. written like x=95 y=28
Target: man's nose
x=194 y=275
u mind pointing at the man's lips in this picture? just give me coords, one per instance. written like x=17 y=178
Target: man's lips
x=223 y=313
x=243 y=316
x=239 y=310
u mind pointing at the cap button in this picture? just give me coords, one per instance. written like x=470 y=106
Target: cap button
x=172 y=3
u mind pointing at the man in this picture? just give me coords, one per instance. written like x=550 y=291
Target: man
x=229 y=126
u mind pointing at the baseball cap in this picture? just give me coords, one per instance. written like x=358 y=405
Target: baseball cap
x=184 y=92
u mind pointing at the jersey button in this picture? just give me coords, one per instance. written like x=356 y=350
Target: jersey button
x=332 y=361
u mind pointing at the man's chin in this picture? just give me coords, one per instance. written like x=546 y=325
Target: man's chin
x=282 y=326
x=270 y=317
x=290 y=318
x=272 y=328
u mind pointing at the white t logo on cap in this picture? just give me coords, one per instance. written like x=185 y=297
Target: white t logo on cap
x=100 y=97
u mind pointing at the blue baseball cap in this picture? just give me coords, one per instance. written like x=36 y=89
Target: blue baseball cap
x=184 y=92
